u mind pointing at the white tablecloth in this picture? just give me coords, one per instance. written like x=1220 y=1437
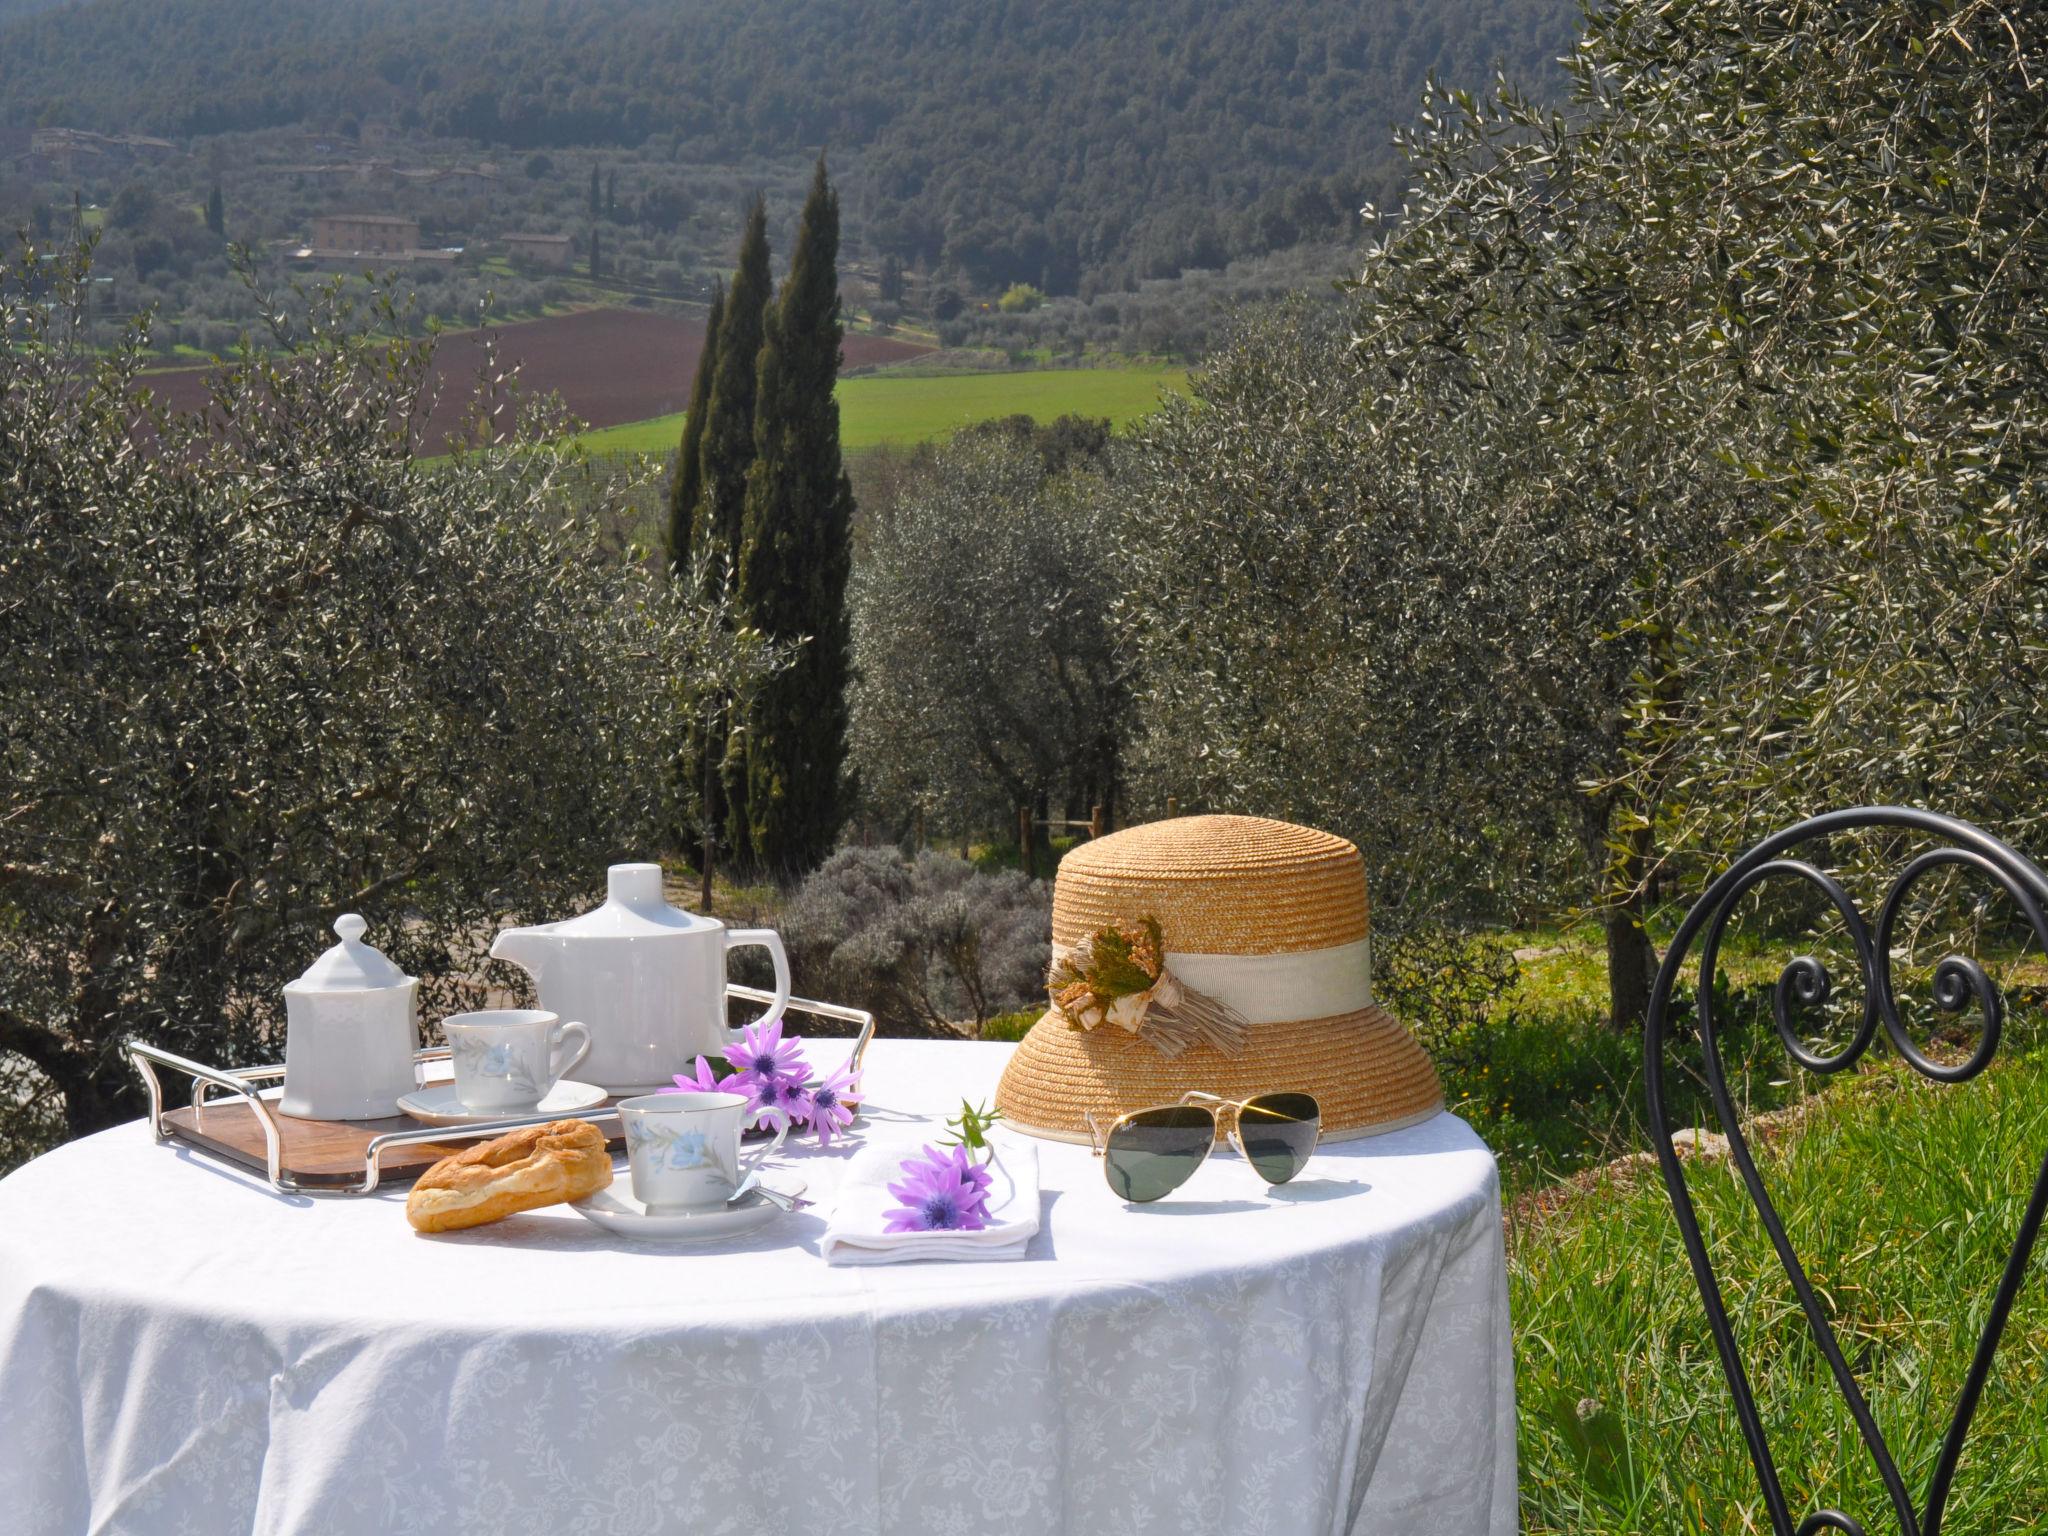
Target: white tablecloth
x=183 y=1350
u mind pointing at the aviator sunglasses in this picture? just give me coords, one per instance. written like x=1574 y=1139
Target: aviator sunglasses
x=1150 y=1153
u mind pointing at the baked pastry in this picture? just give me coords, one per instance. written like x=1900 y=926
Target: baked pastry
x=533 y=1166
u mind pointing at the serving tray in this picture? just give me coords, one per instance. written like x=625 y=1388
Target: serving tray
x=234 y=1120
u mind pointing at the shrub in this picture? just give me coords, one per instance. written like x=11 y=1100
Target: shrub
x=1011 y=1026
x=1445 y=984
x=925 y=945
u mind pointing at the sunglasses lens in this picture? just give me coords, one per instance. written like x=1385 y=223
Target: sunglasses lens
x=1278 y=1132
x=1155 y=1151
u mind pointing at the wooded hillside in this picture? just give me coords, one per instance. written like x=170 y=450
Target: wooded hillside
x=1048 y=142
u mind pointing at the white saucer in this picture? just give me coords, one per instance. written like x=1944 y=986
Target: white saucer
x=615 y=1209
x=436 y=1104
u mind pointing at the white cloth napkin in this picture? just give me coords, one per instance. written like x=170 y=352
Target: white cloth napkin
x=854 y=1235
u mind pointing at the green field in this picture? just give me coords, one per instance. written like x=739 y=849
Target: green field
x=902 y=410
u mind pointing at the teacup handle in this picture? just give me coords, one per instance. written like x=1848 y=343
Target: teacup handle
x=557 y=1038
x=770 y=940
x=751 y=1166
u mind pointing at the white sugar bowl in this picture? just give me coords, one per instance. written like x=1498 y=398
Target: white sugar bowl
x=350 y=1033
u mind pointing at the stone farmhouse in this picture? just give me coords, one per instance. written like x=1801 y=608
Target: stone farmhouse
x=353 y=236
x=554 y=251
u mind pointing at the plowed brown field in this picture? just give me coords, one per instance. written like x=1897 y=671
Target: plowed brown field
x=608 y=365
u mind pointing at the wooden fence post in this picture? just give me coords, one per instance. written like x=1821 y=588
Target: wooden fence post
x=1025 y=853
x=1173 y=805
x=1095 y=826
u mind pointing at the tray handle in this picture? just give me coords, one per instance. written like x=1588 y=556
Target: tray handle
x=240 y=1080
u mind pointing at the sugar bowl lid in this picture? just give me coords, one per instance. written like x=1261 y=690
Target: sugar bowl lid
x=351 y=965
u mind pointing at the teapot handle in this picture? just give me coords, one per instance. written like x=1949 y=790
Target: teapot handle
x=770 y=940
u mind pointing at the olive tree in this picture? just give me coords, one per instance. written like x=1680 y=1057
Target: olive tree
x=265 y=664
x=1371 y=633
x=985 y=676
x=1765 y=301
x=1863 y=186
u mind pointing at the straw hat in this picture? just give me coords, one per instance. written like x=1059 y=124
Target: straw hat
x=1256 y=934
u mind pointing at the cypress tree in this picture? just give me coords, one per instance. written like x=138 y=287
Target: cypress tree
x=797 y=554
x=595 y=208
x=727 y=452
x=682 y=514
x=689 y=480
x=216 y=212
x=725 y=455
x=596 y=254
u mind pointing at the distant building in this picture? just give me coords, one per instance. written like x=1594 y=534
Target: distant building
x=354 y=238
x=365 y=234
x=555 y=251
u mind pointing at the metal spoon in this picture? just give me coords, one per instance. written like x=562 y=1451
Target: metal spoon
x=774 y=1197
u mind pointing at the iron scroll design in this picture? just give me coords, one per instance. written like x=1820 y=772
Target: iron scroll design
x=1958 y=983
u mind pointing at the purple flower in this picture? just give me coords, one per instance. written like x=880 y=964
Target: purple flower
x=961 y=1161
x=938 y=1194
x=830 y=1111
x=791 y=1095
x=752 y=1087
x=764 y=1053
x=706 y=1081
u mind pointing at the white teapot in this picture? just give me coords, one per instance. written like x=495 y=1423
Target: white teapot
x=648 y=979
x=350 y=1033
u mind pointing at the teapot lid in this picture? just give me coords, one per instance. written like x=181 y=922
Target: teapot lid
x=634 y=907
x=351 y=965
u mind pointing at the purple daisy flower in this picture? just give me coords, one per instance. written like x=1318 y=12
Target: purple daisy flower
x=831 y=1113
x=791 y=1095
x=706 y=1081
x=764 y=1053
x=757 y=1090
x=956 y=1161
x=935 y=1197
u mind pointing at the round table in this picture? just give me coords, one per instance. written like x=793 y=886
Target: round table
x=183 y=1349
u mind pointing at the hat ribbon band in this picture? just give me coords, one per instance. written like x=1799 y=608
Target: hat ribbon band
x=1284 y=988
x=1213 y=998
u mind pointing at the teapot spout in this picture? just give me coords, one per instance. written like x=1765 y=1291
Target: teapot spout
x=524 y=947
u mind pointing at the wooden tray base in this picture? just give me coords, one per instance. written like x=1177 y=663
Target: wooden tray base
x=315 y=1153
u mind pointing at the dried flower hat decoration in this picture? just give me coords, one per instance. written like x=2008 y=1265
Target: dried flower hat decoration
x=1118 y=975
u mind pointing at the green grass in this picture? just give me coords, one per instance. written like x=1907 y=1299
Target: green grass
x=1902 y=1198
x=874 y=410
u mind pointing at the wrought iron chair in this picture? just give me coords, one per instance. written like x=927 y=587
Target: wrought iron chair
x=1958 y=982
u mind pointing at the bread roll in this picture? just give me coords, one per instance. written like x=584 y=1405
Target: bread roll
x=533 y=1166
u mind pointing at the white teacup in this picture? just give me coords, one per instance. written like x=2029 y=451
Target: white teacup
x=684 y=1149
x=508 y=1058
